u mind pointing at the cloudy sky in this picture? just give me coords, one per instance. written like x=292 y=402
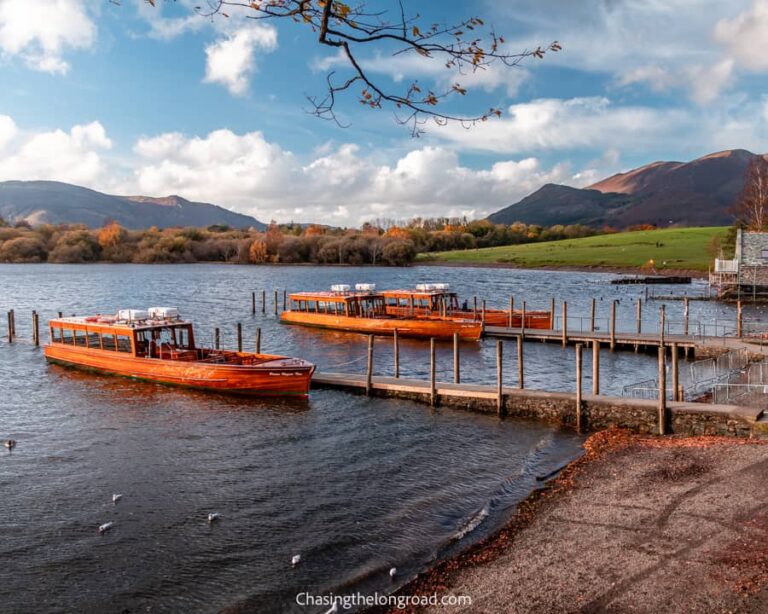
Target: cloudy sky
x=135 y=100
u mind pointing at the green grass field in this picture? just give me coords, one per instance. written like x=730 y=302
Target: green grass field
x=674 y=248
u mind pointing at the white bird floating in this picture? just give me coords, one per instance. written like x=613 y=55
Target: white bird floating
x=392 y=572
x=295 y=560
x=116 y=498
x=10 y=443
x=213 y=516
x=105 y=527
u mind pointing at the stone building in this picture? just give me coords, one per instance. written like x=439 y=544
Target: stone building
x=747 y=273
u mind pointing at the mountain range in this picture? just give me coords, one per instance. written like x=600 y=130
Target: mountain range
x=52 y=202
x=697 y=193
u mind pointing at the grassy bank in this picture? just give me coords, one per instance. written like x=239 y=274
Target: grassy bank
x=674 y=248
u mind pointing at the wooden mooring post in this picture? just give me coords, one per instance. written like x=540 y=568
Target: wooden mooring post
x=565 y=323
x=10 y=327
x=276 y=302
x=239 y=337
x=522 y=322
x=258 y=340
x=369 y=369
x=500 y=378
x=595 y=367
x=613 y=325
x=739 y=320
x=662 y=391
x=432 y=371
x=456 y=363
x=253 y=303
x=662 y=324
x=36 y=329
x=578 y=387
x=511 y=310
x=285 y=298
x=639 y=316
x=474 y=308
x=675 y=373
x=685 y=315
x=520 y=367
x=263 y=301
x=216 y=338
x=592 y=313
x=13 y=322
x=396 y=352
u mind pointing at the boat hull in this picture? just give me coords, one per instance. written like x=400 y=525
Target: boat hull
x=540 y=320
x=281 y=376
x=438 y=328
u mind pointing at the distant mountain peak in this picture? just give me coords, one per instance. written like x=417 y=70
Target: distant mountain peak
x=700 y=192
x=55 y=202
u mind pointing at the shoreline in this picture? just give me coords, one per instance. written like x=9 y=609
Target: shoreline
x=509 y=552
x=619 y=270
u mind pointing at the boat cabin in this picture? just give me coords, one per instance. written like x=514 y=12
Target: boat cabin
x=434 y=301
x=348 y=304
x=151 y=337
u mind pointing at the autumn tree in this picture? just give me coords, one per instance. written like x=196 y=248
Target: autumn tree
x=752 y=205
x=461 y=48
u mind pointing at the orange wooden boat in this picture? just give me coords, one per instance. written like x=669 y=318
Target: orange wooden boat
x=436 y=299
x=365 y=312
x=158 y=346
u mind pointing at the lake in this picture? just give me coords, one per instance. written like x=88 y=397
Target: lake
x=354 y=485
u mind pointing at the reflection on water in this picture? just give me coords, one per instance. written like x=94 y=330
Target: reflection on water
x=355 y=485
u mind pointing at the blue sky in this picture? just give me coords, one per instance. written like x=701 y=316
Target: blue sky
x=135 y=99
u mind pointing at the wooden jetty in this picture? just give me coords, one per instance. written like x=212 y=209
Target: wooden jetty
x=654 y=279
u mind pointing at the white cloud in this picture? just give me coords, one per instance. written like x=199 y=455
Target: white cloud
x=230 y=61
x=744 y=36
x=41 y=31
x=73 y=156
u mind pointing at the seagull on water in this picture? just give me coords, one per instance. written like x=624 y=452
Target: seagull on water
x=213 y=516
x=392 y=572
x=105 y=527
x=10 y=443
x=116 y=498
x=295 y=560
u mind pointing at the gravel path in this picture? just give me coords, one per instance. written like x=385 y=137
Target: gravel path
x=641 y=525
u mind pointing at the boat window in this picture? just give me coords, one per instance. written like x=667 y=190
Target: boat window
x=182 y=338
x=123 y=343
x=56 y=334
x=108 y=342
x=80 y=338
x=94 y=341
x=67 y=336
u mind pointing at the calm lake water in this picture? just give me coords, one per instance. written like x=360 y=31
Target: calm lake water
x=354 y=485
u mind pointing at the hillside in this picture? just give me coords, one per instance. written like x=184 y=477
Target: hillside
x=671 y=248
x=697 y=193
x=53 y=202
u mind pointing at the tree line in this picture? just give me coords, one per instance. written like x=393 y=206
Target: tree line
x=381 y=243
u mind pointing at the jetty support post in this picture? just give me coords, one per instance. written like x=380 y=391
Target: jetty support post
x=13 y=322
x=10 y=328
x=662 y=324
x=613 y=325
x=474 y=308
x=552 y=310
x=578 y=387
x=500 y=378
x=483 y=314
x=60 y=314
x=276 y=303
x=253 y=303
x=662 y=391
x=396 y=351
x=675 y=373
x=739 y=320
x=369 y=369
x=216 y=338
x=565 y=323
x=511 y=310
x=258 y=340
x=285 y=298
x=639 y=316
x=263 y=301
x=432 y=385
x=239 y=337
x=520 y=368
x=595 y=367
x=456 y=365
x=592 y=312
x=685 y=315
x=35 y=329
x=522 y=322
